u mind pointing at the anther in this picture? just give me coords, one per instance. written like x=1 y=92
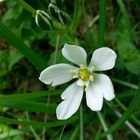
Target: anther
x=75 y=76
x=82 y=66
x=91 y=78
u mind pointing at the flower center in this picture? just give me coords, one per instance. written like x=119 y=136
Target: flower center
x=84 y=74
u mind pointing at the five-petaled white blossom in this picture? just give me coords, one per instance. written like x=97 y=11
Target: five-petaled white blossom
x=96 y=86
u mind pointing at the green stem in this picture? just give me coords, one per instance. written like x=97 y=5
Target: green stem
x=124 y=108
x=90 y=38
x=125 y=83
x=60 y=137
x=27 y=6
x=81 y=123
x=56 y=48
x=129 y=125
x=124 y=12
x=102 y=22
x=31 y=128
x=77 y=15
x=109 y=136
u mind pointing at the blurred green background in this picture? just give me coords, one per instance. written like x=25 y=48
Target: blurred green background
x=27 y=106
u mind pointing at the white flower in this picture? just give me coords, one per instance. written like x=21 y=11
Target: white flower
x=96 y=86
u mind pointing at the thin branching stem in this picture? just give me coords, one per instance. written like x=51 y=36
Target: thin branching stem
x=31 y=128
x=49 y=97
x=125 y=108
x=56 y=48
x=104 y=125
x=125 y=83
x=60 y=137
x=130 y=126
x=27 y=6
x=81 y=123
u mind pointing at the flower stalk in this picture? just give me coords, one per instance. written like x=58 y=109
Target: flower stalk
x=109 y=136
x=27 y=7
x=81 y=123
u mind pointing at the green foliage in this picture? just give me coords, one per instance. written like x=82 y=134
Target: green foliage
x=27 y=106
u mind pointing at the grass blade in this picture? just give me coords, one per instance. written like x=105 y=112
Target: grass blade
x=12 y=39
x=124 y=13
x=134 y=103
x=77 y=15
x=30 y=95
x=102 y=22
x=38 y=124
x=30 y=106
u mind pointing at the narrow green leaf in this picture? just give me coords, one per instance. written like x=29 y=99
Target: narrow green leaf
x=38 y=124
x=29 y=106
x=134 y=103
x=90 y=36
x=30 y=95
x=26 y=6
x=12 y=39
x=14 y=57
x=77 y=15
x=102 y=22
x=10 y=133
x=98 y=135
x=75 y=133
x=124 y=13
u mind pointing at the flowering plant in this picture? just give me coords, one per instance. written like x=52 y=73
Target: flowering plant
x=96 y=86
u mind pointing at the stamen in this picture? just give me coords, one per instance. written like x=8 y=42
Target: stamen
x=92 y=68
x=75 y=76
x=80 y=83
x=82 y=66
x=91 y=78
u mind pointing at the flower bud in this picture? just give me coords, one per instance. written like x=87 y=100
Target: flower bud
x=57 y=13
x=43 y=20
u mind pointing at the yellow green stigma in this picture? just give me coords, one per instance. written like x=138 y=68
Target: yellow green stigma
x=84 y=74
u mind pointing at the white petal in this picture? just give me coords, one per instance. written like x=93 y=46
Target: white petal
x=74 y=54
x=103 y=59
x=105 y=85
x=72 y=98
x=57 y=74
x=72 y=89
x=94 y=97
x=80 y=82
